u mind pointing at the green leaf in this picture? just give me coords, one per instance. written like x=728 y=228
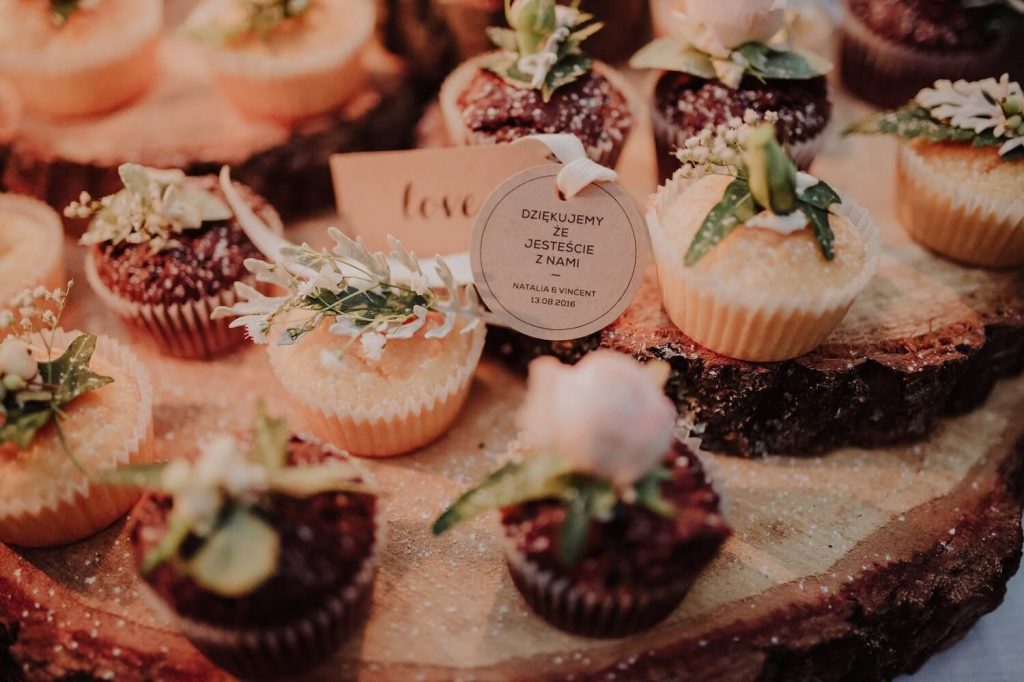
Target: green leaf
x=649 y=496
x=306 y=481
x=503 y=38
x=135 y=476
x=534 y=479
x=669 y=55
x=735 y=208
x=21 y=426
x=70 y=374
x=914 y=121
x=177 y=530
x=566 y=71
x=61 y=10
x=270 y=438
x=768 y=63
x=238 y=557
x=822 y=229
x=771 y=173
x=594 y=498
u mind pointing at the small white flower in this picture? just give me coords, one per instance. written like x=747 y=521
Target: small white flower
x=372 y=344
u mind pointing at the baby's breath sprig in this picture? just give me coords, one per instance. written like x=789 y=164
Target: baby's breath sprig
x=354 y=291
x=154 y=206
x=718 y=150
x=259 y=18
x=33 y=393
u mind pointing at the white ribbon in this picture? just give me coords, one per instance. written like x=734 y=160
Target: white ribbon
x=578 y=171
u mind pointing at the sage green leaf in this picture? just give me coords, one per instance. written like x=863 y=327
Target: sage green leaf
x=135 y=178
x=306 y=481
x=69 y=375
x=735 y=208
x=914 y=121
x=238 y=557
x=177 y=530
x=576 y=38
x=207 y=205
x=270 y=436
x=668 y=55
x=649 y=495
x=21 y=425
x=135 y=476
x=594 y=499
x=503 y=38
x=767 y=63
x=536 y=478
x=822 y=230
x=771 y=173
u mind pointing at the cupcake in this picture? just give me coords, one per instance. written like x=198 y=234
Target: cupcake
x=286 y=59
x=263 y=550
x=756 y=260
x=164 y=252
x=380 y=365
x=960 y=169
x=607 y=519
x=73 y=405
x=722 y=59
x=10 y=121
x=539 y=82
x=890 y=49
x=31 y=247
x=79 y=57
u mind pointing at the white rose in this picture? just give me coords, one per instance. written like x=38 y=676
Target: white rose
x=717 y=27
x=16 y=359
x=608 y=415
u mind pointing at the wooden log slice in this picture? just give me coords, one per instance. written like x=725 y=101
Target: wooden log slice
x=186 y=122
x=853 y=566
x=928 y=338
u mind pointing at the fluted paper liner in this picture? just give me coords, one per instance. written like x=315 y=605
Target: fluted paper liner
x=459 y=79
x=954 y=219
x=748 y=325
x=388 y=428
x=74 y=507
x=291 y=647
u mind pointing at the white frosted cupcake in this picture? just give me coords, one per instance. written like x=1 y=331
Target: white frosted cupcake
x=756 y=261
x=57 y=441
x=381 y=365
x=31 y=246
x=286 y=59
x=79 y=58
x=960 y=169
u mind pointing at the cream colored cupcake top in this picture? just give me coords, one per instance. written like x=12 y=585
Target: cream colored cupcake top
x=100 y=30
x=759 y=260
x=327 y=32
x=980 y=168
x=31 y=237
x=102 y=428
x=407 y=369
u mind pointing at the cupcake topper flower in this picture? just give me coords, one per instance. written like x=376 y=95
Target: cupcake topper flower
x=767 y=191
x=986 y=113
x=154 y=206
x=541 y=50
x=597 y=434
x=727 y=39
x=61 y=10
x=221 y=501
x=259 y=18
x=33 y=393
x=348 y=286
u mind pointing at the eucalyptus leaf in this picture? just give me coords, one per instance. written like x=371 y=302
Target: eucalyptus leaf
x=735 y=208
x=533 y=479
x=768 y=63
x=669 y=55
x=240 y=555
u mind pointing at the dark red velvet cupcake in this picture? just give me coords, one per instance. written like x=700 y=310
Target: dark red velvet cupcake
x=316 y=597
x=890 y=49
x=490 y=100
x=685 y=104
x=166 y=287
x=636 y=567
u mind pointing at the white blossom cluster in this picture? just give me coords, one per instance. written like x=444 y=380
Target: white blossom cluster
x=980 y=106
x=34 y=310
x=719 y=150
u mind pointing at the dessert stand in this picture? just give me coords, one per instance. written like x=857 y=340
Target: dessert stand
x=858 y=564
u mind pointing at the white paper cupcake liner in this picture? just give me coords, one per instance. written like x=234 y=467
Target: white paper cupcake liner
x=183 y=330
x=956 y=219
x=74 y=506
x=459 y=135
x=388 y=428
x=757 y=326
x=293 y=646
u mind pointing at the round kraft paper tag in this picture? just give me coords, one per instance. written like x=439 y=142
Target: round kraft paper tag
x=558 y=269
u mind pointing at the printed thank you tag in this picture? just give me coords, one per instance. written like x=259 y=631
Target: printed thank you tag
x=558 y=269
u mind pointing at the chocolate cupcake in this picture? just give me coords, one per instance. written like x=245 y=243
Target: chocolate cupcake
x=166 y=251
x=718 y=65
x=608 y=521
x=890 y=49
x=539 y=82
x=263 y=551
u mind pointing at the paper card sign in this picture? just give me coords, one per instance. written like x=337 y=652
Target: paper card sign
x=557 y=269
x=427 y=198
